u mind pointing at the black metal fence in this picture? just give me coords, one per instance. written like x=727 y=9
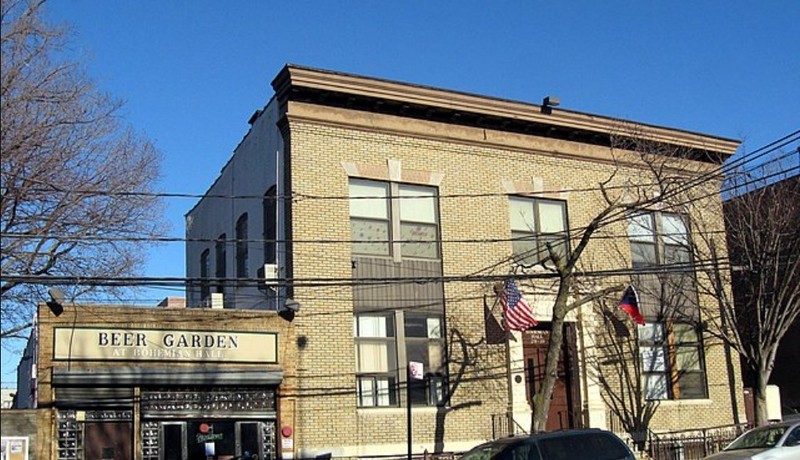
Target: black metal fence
x=691 y=444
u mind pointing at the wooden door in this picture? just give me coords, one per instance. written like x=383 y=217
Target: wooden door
x=534 y=353
x=108 y=440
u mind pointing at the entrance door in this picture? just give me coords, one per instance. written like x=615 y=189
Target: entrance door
x=534 y=344
x=173 y=440
x=210 y=439
x=108 y=440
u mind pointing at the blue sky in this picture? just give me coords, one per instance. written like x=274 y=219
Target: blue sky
x=192 y=72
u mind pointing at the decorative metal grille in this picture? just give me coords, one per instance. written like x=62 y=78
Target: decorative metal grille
x=208 y=400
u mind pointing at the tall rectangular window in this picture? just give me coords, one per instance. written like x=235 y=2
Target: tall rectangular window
x=205 y=287
x=424 y=344
x=376 y=360
x=670 y=346
x=220 y=268
x=419 y=228
x=535 y=224
x=395 y=232
x=241 y=246
x=370 y=223
x=382 y=354
x=270 y=226
x=391 y=219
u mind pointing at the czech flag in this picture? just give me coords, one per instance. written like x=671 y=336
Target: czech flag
x=630 y=303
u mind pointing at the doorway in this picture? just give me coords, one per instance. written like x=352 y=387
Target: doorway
x=562 y=411
x=210 y=439
x=108 y=440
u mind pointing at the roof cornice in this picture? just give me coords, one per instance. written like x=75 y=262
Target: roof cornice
x=293 y=80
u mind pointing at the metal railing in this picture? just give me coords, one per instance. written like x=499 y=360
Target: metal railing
x=692 y=444
x=504 y=425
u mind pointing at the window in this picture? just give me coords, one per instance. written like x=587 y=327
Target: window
x=397 y=222
x=376 y=360
x=424 y=344
x=535 y=223
x=220 y=267
x=405 y=227
x=270 y=226
x=241 y=246
x=672 y=361
x=205 y=287
x=379 y=352
x=670 y=346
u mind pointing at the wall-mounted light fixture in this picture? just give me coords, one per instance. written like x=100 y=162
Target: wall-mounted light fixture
x=57 y=300
x=290 y=308
x=548 y=103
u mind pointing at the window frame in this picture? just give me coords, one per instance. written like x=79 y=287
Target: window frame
x=242 y=246
x=669 y=345
x=432 y=388
x=535 y=235
x=394 y=223
x=205 y=266
x=389 y=375
x=220 y=261
x=270 y=225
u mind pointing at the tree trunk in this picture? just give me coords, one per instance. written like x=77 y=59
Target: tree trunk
x=541 y=402
x=760 y=399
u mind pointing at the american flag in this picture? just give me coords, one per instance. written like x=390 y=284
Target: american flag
x=517 y=314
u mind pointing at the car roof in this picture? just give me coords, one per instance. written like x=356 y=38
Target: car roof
x=552 y=434
x=571 y=432
x=787 y=423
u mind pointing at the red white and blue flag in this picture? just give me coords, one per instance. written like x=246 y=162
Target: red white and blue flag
x=517 y=315
x=630 y=303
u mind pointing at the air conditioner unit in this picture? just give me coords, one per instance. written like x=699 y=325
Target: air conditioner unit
x=213 y=300
x=268 y=273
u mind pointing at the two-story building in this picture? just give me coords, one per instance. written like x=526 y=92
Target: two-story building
x=383 y=213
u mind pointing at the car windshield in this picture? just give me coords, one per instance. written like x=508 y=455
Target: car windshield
x=759 y=438
x=589 y=446
x=485 y=451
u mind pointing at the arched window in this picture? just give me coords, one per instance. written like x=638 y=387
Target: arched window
x=205 y=287
x=241 y=246
x=220 y=266
x=270 y=226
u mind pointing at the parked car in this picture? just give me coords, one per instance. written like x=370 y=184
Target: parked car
x=590 y=444
x=779 y=441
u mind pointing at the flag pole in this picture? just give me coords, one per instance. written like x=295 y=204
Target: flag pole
x=408 y=406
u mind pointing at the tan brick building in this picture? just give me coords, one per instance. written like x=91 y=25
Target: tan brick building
x=377 y=216
x=154 y=383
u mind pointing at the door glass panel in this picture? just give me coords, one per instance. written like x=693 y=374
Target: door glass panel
x=250 y=441
x=174 y=441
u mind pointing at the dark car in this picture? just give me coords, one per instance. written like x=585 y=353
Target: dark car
x=588 y=444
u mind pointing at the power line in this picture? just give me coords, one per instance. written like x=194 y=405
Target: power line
x=17 y=235
x=749 y=157
x=684 y=267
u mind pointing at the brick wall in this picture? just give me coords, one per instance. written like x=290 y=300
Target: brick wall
x=473 y=162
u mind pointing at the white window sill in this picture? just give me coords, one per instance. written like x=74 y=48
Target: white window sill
x=381 y=411
x=684 y=402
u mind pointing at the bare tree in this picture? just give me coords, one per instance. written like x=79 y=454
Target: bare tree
x=616 y=366
x=76 y=183
x=665 y=173
x=763 y=266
